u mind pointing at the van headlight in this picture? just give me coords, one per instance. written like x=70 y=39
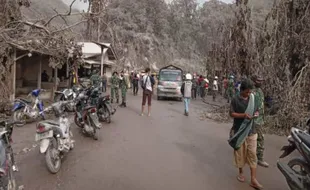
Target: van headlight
x=160 y=86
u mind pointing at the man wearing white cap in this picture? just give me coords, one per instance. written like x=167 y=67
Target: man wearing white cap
x=186 y=90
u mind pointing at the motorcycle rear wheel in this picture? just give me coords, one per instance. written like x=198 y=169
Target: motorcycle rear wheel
x=106 y=114
x=302 y=173
x=18 y=115
x=53 y=164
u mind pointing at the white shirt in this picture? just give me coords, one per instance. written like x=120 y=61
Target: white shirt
x=215 y=85
x=148 y=82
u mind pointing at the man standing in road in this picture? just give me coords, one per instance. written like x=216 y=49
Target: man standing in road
x=215 y=88
x=194 y=88
x=224 y=87
x=259 y=121
x=243 y=137
x=186 y=90
x=123 y=87
x=147 y=84
x=114 y=87
x=104 y=82
x=230 y=88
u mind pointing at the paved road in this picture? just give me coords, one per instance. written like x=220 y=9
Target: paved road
x=163 y=152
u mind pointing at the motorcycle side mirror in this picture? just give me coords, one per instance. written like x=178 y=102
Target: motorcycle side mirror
x=308 y=125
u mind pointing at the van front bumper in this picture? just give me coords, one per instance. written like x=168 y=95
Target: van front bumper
x=169 y=93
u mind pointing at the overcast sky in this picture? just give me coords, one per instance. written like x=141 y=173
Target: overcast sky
x=80 y=5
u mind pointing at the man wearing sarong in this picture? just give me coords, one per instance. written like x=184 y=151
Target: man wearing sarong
x=259 y=121
x=243 y=136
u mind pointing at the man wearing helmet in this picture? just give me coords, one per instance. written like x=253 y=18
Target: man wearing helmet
x=259 y=120
x=186 y=90
x=215 y=87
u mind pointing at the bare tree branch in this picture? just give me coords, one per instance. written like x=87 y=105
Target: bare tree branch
x=61 y=15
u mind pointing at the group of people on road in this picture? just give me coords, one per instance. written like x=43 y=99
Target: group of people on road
x=247 y=110
x=200 y=87
x=118 y=82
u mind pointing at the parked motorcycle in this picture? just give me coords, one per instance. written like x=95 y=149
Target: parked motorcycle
x=66 y=95
x=86 y=115
x=7 y=168
x=102 y=103
x=297 y=179
x=105 y=110
x=55 y=136
x=23 y=110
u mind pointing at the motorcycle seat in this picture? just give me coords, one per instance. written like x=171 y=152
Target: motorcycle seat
x=305 y=138
x=51 y=122
x=89 y=107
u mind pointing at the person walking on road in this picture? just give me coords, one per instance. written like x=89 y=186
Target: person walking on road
x=115 y=87
x=104 y=82
x=147 y=84
x=259 y=121
x=243 y=136
x=215 y=87
x=123 y=87
x=194 y=88
x=224 y=88
x=135 y=83
x=230 y=88
x=186 y=90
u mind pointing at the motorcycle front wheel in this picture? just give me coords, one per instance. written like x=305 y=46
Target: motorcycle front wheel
x=300 y=168
x=52 y=157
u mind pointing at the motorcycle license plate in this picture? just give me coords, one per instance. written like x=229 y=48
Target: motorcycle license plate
x=40 y=136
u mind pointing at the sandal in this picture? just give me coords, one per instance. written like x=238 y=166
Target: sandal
x=241 y=178
x=257 y=187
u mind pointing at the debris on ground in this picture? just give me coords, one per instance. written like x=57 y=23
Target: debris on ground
x=218 y=114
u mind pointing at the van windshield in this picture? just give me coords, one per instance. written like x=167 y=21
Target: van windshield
x=170 y=75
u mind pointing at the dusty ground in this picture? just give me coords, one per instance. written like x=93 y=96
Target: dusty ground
x=166 y=151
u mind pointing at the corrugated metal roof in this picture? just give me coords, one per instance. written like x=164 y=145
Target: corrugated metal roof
x=90 y=49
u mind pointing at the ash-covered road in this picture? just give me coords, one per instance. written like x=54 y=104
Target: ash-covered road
x=166 y=151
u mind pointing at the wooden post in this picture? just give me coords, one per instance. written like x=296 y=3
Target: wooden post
x=67 y=74
x=55 y=77
x=103 y=50
x=13 y=76
x=55 y=83
x=39 y=73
